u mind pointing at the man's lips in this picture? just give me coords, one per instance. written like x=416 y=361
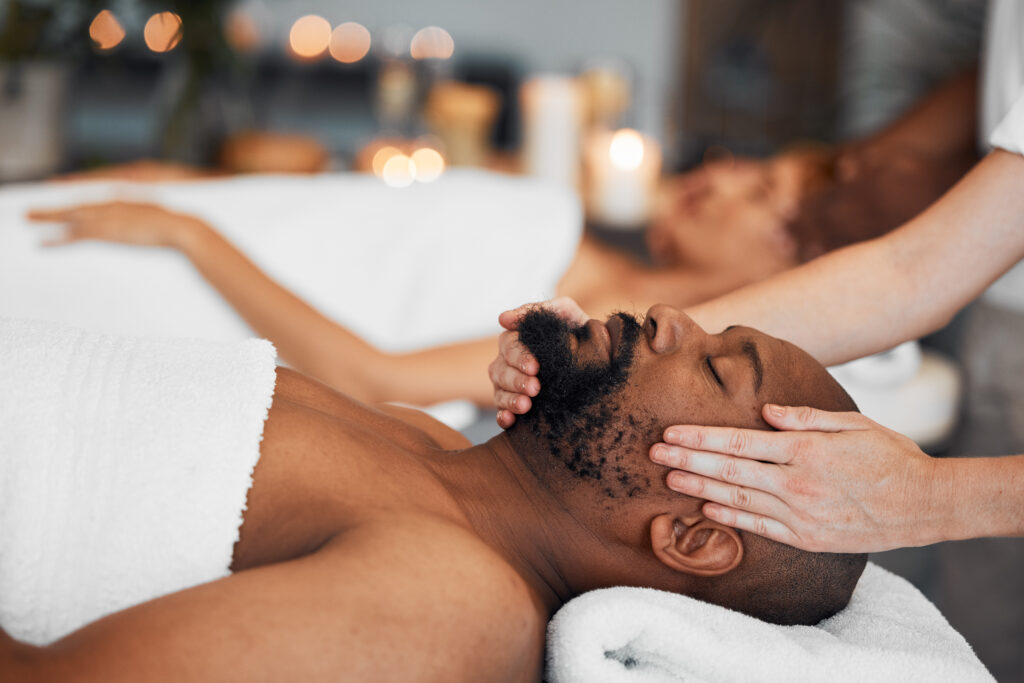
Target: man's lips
x=614 y=328
x=602 y=337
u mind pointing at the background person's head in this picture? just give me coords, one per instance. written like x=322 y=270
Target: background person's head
x=608 y=392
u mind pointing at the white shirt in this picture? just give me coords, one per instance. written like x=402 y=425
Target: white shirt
x=1002 y=113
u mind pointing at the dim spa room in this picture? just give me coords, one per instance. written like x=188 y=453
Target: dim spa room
x=580 y=342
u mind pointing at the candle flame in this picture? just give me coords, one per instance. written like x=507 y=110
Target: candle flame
x=309 y=37
x=399 y=171
x=349 y=42
x=162 y=32
x=106 y=31
x=429 y=164
x=627 y=150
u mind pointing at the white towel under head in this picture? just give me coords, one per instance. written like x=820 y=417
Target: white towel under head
x=124 y=468
x=888 y=632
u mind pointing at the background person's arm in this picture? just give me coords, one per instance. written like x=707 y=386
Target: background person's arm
x=838 y=482
x=305 y=338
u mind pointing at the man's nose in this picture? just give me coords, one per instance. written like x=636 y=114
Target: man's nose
x=668 y=329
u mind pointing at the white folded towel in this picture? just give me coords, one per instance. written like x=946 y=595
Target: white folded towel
x=888 y=632
x=124 y=468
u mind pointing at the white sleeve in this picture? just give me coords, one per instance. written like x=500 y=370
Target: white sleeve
x=1009 y=134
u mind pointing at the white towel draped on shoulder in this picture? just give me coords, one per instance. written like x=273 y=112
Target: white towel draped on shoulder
x=124 y=468
x=888 y=632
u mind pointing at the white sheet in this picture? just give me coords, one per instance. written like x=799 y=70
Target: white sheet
x=405 y=268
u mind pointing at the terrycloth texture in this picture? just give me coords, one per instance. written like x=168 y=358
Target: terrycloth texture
x=888 y=632
x=405 y=268
x=124 y=468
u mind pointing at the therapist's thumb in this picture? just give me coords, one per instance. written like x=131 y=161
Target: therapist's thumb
x=805 y=418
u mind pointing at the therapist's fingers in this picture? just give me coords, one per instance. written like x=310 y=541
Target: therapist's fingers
x=517 y=404
x=505 y=419
x=515 y=355
x=755 y=444
x=564 y=307
x=509 y=378
x=510 y=319
x=805 y=418
x=729 y=495
x=725 y=468
x=761 y=525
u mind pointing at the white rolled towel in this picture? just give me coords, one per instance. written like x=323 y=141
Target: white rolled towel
x=888 y=632
x=124 y=468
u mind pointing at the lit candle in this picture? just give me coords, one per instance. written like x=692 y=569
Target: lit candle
x=552 y=109
x=622 y=176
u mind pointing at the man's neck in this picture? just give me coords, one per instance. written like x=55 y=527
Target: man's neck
x=514 y=513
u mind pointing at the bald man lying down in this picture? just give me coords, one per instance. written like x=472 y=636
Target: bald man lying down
x=379 y=545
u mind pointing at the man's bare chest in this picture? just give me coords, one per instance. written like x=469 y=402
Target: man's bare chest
x=320 y=474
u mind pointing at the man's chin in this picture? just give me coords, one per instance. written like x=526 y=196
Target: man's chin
x=569 y=386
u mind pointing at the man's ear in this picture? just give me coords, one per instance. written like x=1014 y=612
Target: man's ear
x=695 y=545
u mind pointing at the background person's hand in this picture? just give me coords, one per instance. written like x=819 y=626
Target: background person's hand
x=514 y=372
x=837 y=482
x=124 y=222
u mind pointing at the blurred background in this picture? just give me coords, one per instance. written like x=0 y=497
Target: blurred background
x=616 y=100
x=102 y=82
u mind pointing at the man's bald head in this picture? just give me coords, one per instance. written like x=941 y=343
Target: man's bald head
x=647 y=377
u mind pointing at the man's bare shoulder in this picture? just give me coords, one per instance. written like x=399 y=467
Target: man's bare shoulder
x=297 y=388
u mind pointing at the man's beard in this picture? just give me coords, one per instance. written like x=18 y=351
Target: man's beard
x=577 y=415
x=567 y=386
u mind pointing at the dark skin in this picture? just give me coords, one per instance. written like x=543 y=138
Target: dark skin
x=366 y=527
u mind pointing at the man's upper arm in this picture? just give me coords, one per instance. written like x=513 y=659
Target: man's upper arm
x=374 y=606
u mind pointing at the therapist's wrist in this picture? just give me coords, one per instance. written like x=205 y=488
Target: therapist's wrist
x=940 y=501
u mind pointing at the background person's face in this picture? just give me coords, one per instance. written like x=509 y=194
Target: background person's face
x=732 y=214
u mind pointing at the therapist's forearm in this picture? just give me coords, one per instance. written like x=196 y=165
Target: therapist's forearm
x=871 y=296
x=982 y=497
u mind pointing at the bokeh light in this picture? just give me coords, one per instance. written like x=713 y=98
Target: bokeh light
x=627 y=149
x=381 y=157
x=399 y=171
x=106 y=31
x=162 y=32
x=432 y=42
x=241 y=31
x=428 y=163
x=349 y=42
x=310 y=36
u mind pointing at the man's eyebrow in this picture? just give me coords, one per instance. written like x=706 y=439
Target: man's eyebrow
x=731 y=327
x=750 y=351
